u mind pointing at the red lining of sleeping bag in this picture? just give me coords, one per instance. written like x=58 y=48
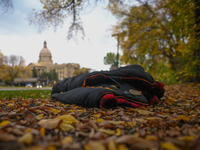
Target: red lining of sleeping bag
x=131 y=100
x=109 y=100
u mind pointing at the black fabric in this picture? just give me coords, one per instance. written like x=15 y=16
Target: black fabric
x=87 y=89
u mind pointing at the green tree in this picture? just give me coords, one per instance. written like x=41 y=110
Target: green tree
x=111 y=59
x=52 y=75
x=34 y=73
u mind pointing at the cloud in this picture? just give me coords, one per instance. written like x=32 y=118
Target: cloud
x=18 y=38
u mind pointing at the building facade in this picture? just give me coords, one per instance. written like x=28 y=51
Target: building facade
x=45 y=63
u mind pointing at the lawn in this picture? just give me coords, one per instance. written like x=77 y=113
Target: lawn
x=23 y=94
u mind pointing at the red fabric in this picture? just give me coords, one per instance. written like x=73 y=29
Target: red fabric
x=109 y=100
x=153 y=95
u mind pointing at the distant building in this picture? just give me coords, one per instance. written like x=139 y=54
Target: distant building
x=45 y=63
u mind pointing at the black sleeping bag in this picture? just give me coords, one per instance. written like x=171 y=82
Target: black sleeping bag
x=88 y=89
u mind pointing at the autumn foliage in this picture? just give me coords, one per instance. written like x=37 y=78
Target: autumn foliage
x=43 y=124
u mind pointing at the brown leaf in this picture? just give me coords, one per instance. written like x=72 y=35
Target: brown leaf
x=143 y=144
x=126 y=139
x=94 y=145
x=5 y=137
x=49 y=123
x=105 y=124
x=173 y=132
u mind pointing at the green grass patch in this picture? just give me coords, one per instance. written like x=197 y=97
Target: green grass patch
x=23 y=94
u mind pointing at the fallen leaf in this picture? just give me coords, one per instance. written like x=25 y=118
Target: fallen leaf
x=94 y=145
x=4 y=123
x=118 y=132
x=169 y=146
x=67 y=140
x=39 y=117
x=107 y=131
x=153 y=118
x=49 y=123
x=141 y=120
x=116 y=122
x=5 y=137
x=126 y=139
x=112 y=145
x=144 y=112
x=69 y=118
x=143 y=144
x=27 y=138
x=65 y=126
x=182 y=117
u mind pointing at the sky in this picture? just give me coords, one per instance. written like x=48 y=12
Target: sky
x=19 y=38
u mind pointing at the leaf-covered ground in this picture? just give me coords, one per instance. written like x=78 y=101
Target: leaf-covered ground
x=43 y=124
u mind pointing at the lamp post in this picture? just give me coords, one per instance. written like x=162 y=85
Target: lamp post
x=117 y=47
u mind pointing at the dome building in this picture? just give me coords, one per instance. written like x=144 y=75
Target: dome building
x=45 y=55
x=45 y=63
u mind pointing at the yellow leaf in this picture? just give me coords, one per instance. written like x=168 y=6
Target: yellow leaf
x=169 y=146
x=122 y=147
x=151 y=137
x=26 y=138
x=153 y=118
x=112 y=145
x=116 y=122
x=141 y=120
x=182 y=117
x=42 y=131
x=96 y=115
x=131 y=124
x=99 y=120
x=186 y=138
x=94 y=145
x=144 y=112
x=49 y=123
x=37 y=111
x=67 y=140
x=68 y=118
x=107 y=131
x=28 y=130
x=66 y=127
x=51 y=147
x=10 y=104
x=118 y=132
x=4 y=123
x=55 y=111
x=39 y=117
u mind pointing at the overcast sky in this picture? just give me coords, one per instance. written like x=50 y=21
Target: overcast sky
x=17 y=37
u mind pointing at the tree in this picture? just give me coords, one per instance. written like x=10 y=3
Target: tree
x=82 y=71
x=111 y=59
x=6 y=5
x=156 y=31
x=15 y=67
x=55 y=12
x=52 y=75
x=34 y=73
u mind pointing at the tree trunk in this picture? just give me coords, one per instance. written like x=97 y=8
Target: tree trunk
x=197 y=38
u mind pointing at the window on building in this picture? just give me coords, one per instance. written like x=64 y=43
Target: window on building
x=45 y=58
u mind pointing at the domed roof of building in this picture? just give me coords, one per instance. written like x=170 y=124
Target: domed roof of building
x=45 y=50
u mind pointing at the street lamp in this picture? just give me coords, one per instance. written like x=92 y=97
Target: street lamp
x=118 y=34
x=117 y=48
